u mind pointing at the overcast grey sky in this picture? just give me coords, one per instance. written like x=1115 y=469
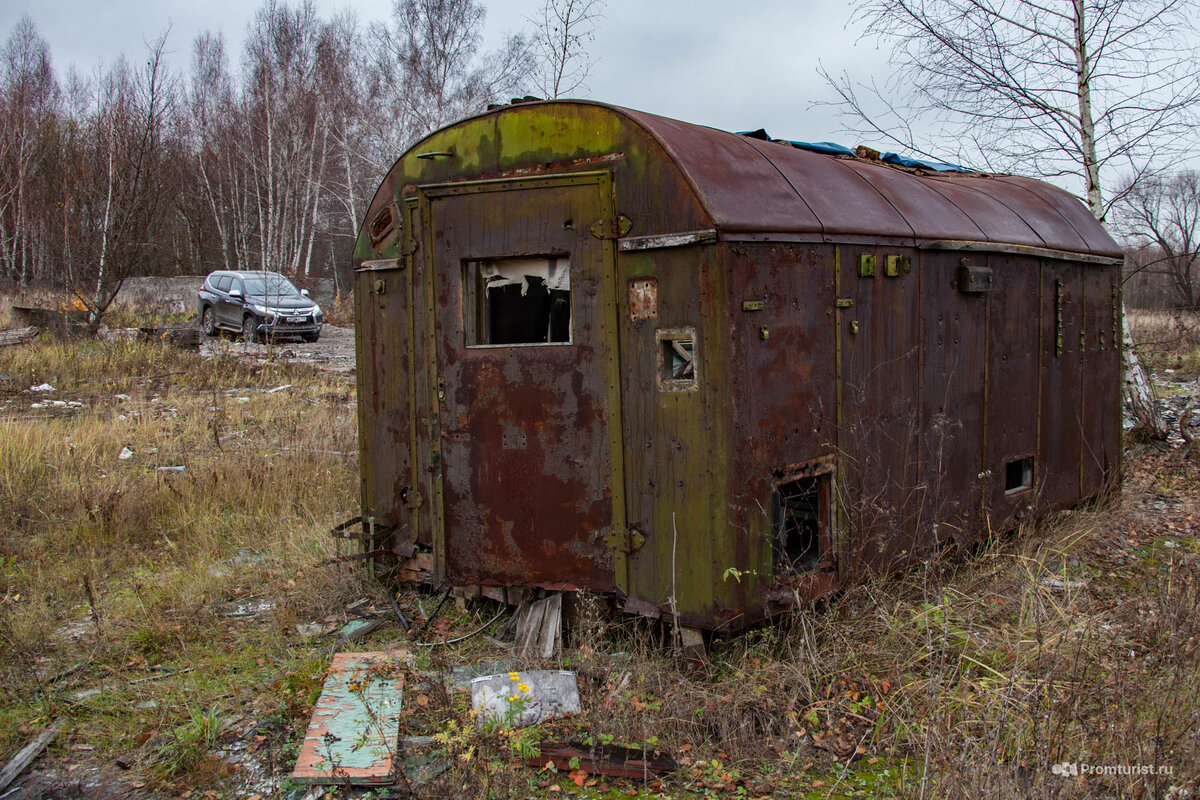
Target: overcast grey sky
x=723 y=64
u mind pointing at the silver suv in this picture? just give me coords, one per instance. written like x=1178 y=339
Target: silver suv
x=257 y=305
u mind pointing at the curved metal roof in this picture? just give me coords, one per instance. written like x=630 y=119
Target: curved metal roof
x=751 y=186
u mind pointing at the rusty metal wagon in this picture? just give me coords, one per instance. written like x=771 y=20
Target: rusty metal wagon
x=712 y=374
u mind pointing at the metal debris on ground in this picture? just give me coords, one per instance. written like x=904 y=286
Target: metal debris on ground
x=522 y=698
x=611 y=760
x=1062 y=585
x=355 y=727
x=356 y=629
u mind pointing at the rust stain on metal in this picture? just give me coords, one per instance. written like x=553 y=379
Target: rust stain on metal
x=643 y=299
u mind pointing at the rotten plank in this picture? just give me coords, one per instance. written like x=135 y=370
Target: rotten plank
x=30 y=752
x=355 y=727
x=611 y=760
x=19 y=336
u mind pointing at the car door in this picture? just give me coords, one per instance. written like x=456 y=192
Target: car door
x=229 y=309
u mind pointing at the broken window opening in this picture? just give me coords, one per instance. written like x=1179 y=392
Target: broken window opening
x=677 y=359
x=517 y=301
x=799 y=516
x=1018 y=475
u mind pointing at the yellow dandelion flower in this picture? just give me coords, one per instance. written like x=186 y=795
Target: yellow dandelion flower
x=516 y=676
x=512 y=698
x=523 y=687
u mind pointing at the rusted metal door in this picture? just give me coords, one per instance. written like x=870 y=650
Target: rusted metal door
x=879 y=401
x=522 y=328
x=385 y=420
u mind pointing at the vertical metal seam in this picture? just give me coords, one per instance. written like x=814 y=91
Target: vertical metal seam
x=1041 y=374
x=437 y=508
x=610 y=300
x=409 y=216
x=841 y=535
x=985 y=454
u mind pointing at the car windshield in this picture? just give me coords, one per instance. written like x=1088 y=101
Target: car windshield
x=272 y=285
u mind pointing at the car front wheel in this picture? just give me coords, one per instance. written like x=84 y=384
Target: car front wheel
x=208 y=322
x=249 y=329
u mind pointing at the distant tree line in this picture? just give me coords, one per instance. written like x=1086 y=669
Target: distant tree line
x=139 y=169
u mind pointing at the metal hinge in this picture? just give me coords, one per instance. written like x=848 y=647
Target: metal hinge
x=629 y=540
x=612 y=227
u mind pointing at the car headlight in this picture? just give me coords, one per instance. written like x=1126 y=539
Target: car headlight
x=258 y=308
x=317 y=314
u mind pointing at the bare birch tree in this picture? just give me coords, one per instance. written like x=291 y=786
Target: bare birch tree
x=1065 y=89
x=29 y=103
x=120 y=184
x=561 y=35
x=430 y=62
x=1162 y=217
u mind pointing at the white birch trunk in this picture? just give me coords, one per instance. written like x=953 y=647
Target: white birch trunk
x=1138 y=387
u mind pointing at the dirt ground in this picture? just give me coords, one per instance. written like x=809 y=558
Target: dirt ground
x=333 y=352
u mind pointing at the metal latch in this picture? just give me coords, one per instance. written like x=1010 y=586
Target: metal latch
x=612 y=227
x=412 y=499
x=629 y=540
x=974 y=279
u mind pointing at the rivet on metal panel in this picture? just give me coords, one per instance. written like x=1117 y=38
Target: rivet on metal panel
x=854 y=326
x=1058 y=317
x=441 y=388
x=1116 y=315
x=381 y=286
x=764 y=333
x=866 y=265
x=754 y=305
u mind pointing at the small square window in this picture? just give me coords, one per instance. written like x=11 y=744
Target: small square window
x=677 y=362
x=1018 y=475
x=517 y=301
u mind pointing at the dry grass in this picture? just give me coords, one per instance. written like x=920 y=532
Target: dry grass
x=127 y=568
x=1168 y=342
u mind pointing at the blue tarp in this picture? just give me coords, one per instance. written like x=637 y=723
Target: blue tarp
x=829 y=148
x=916 y=163
x=835 y=149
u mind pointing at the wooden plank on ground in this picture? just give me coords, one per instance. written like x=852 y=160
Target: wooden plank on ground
x=28 y=753
x=355 y=727
x=19 y=336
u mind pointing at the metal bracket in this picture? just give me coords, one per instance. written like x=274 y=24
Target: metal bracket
x=627 y=541
x=612 y=227
x=412 y=499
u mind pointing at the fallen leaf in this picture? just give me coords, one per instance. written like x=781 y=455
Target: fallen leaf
x=422 y=700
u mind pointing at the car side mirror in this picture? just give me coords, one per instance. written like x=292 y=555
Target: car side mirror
x=304 y=292
x=237 y=293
